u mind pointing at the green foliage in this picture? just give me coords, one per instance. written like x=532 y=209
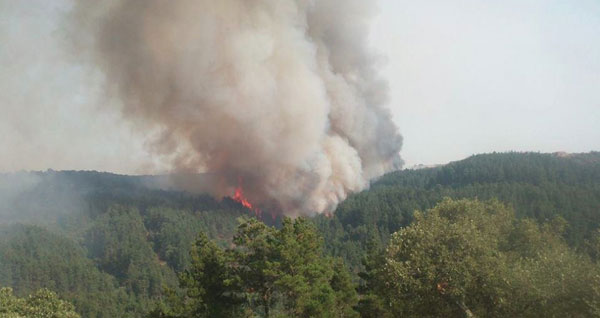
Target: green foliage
x=346 y=297
x=32 y=258
x=42 y=304
x=371 y=304
x=468 y=258
x=172 y=232
x=209 y=283
x=269 y=273
x=117 y=243
x=537 y=186
x=114 y=247
x=105 y=242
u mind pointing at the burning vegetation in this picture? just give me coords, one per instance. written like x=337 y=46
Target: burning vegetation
x=284 y=94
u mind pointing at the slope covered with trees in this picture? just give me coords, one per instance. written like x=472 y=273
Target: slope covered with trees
x=462 y=258
x=119 y=246
x=41 y=304
x=537 y=186
x=469 y=258
x=107 y=243
x=32 y=258
x=269 y=273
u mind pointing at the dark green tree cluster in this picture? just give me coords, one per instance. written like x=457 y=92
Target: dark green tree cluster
x=267 y=273
x=468 y=258
x=109 y=244
x=173 y=232
x=114 y=264
x=537 y=186
x=32 y=258
x=41 y=304
x=118 y=245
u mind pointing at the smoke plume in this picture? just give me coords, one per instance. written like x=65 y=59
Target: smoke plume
x=280 y=97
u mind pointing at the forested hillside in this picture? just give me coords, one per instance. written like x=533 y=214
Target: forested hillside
x=117 y=246
x=538 y=186
x=107 y=243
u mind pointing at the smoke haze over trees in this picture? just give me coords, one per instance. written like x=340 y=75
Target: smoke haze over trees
x=108 y=243
x=268 y=164
x=281 y=98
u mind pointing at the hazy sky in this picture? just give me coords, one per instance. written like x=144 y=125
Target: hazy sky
x=465 y=77
x=478 y=76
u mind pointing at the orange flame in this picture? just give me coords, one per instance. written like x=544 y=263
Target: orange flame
x=239 y=197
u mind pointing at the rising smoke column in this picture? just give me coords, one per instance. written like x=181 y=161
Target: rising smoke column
x=281 y=97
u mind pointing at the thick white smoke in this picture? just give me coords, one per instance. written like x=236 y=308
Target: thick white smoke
x=282 y=96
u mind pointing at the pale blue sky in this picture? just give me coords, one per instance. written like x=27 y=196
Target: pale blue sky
x=465 y=77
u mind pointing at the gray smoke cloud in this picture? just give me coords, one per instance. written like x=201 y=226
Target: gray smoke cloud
x=282 y=97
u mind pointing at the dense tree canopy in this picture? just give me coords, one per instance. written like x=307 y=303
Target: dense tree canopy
x=268 y=273
x=41 y=304
x=111 y=263
x=110 y=244
x=32 y=258
x=467 y=258
x=537 y=186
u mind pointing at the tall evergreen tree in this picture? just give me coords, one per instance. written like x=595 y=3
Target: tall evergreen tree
x=268 y=273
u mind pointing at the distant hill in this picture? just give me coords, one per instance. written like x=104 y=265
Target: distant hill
x=539 y=186
x=109 y=243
